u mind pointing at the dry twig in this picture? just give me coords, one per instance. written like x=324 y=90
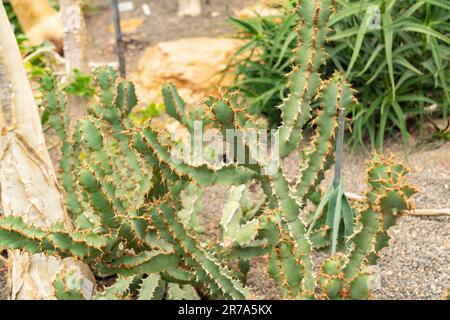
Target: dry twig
x=416 y=212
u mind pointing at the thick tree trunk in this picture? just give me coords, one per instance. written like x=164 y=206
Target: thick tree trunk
x=29 y=187
x=39 y=21
x=189 y=8
x=75 y=51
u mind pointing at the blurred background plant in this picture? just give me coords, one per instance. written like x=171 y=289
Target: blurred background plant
x=13 y=19
x=144 y=115
x=38 y=59
x=81 y=85
x=44 y=57
x=88 y=5
x=395 y=53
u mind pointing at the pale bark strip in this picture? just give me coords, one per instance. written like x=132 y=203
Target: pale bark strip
x=75 y=51
x=189 y=8
x=75 y=36
x=29 y=186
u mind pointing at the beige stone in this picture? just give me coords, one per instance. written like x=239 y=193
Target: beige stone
x=39 y=21
x=265 y=9
x=194 y=65
x=128 y=25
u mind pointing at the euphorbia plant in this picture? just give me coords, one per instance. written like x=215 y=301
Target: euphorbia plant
x=135 y=204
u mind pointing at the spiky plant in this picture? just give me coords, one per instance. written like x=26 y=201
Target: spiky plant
x=124 y=190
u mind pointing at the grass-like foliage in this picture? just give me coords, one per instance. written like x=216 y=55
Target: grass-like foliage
x=396 y=58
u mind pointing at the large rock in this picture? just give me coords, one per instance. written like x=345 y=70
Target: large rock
x=39 y=21
x=267 y=8
x=194 y=65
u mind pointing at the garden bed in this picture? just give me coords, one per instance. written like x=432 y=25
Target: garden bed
x=414 y=265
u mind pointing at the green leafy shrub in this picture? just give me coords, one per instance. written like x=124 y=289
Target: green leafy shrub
x=398 y=69
x=81 y=85
x=152 y=110
x=13 y=19
x=135 y=205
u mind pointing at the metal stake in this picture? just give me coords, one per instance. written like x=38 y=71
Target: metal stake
x=118 y=33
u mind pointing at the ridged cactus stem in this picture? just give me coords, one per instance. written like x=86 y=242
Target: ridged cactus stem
x=218 y=277
x=304 y=79
x=290 y=210
x=16 y=234
x=387 y=197
x=335 y=95
x=228 y=117
x=229 y=174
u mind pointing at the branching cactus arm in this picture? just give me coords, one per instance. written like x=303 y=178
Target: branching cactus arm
x=335 y=94
x=304 y=81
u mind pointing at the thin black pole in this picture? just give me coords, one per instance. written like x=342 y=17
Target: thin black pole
x=119 y=42
x=339 y=148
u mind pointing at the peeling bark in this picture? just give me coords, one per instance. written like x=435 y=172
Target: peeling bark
x=29 y=187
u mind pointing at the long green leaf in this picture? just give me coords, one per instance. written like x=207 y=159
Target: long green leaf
x=337 y=218
x=359 y=41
